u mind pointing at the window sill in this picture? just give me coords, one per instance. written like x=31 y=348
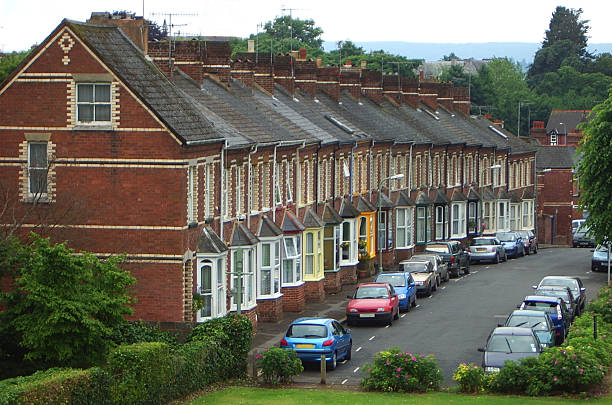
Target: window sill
x=270 y=297
x=347 y=263
x=405 y=247
x=246 y=307
x=293 y=285
x=93 y=127
x=37 y=200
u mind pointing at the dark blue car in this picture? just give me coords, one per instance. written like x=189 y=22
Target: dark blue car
x=404 y=286
x=553 y=306
x=313 y=337
x=513 y=244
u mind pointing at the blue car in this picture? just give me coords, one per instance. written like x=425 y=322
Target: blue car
x=513 y=244
x=553 y=306
x=313 y=337
x=404 y=286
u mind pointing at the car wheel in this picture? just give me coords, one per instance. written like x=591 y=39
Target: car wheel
x=505 y=257
x=435 y=286
x=438 y=281
x=535 y=250
x=414 y=302
x=447 y=277
x=331 y=365
x=349 y=352
x=428 y=292
x=497 y=258
x=396 y=317
x=467 y=268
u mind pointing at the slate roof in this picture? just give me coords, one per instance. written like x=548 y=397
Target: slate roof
x=512 y=142
x=384 y=201
x=404 y=200
x=348 y=210
x=528 y=194
x=441 y=198
x=241 y=236
x=473 y=195
x=209 y=242
x=312 y=220
x=268 y=229
x=423 y=199
x=291 y=223
x=503 y=194
x=145 y=79
x=555 y=157
x=331 y=216
x=458 y=196
x=488 y=195
x=364 y=205
x=569 y=118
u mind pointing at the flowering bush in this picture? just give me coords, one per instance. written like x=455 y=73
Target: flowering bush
x=602 y=306
x=470 y=378
x=394 y=370
x=279 y=365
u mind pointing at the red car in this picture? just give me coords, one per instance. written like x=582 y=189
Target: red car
x=373 y=302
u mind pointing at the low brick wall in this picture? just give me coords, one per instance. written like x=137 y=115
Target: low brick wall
x=348 y=274
x=315 y=291
x=270 y=310
x=294 y=298
x=333 y=282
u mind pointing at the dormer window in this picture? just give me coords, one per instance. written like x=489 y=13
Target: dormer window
x=93 y=103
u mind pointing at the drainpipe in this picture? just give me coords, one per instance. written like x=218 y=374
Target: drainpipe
x=274 y=180
x=371 y=161
x=352 y=169
x=409 y=182
x=250 y=183
x=298 y=184
x=223 y=191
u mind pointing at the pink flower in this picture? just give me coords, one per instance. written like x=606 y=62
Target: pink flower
x=406 y=376
x=556 y=362
x=396 y=375
x=581 y=371
x=259 y=356
x=555 y=379
x=399 y=369
x=422 y=355
x=388 y=362
x=414 y=359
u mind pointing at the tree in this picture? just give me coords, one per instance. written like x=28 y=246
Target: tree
x=302 y=31
x=456 y=75
x=155 y=32
x=565 y=43
x=10 y=61
x=594 y=170
x=64 y=307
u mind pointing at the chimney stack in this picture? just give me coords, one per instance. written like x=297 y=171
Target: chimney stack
x=251 y=45
x=134 y=27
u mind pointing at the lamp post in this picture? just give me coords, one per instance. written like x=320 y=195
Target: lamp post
x=394 y=177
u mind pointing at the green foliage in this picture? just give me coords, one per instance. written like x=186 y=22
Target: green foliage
x=128 y=333
x=58 y=386
x=9 y=61
x=279 y=366
x=470 y=378
x=602 y=306
x=64 y=306
x=397 y=371
x=456 y=75
x=232 y=331
x=141 y=373
x=594 y=170
x=199 y=364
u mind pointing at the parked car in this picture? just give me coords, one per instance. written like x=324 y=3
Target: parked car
x=555 y=307
x=423 y=274
x=404 y=286
x=452 y=253
x=599 y=260
x=530 y=241
x=487 y=248
x=561 y=292
x=574 y=283
x=313 y=337
x=577 y=224
x=539 y=321
x=373 y=302
x=513 y=244
x=440 y=268
x=583 y=238
x=508 y=344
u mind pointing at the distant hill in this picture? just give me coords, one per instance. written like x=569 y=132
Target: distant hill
x=522 y=52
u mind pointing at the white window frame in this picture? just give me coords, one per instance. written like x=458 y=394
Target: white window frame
x=309 y=255
x=191 y=193
x=503 y=216
x=382 y=230
x=553 y=139
x=33 y=167
x=278 y=196
x=513 y=217
x=334 y=241
x=270 y=287
x=439 y=219
x=207 y=191
x=239 y=195
x=248 y=280
x=295 y=259
x=421 y=219
x=527 y=214
x=218 y=300
x=458 y=228
x=225 y=195
x=473 y=216
x=349 y=238
x=94 y=104
x=404 y=227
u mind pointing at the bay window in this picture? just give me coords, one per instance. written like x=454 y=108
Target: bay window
x=210 y=278
x=292 y=252
x=473 y=217
x=269 y=268
x=421 y=224
x=403 y=227
x=331 y=241
x=243 y=261
x=527 y=214
x=458 y=220
x=348 y=243
x=503 y=216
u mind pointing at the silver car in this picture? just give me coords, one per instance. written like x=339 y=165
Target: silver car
x=440 y=268
x=487 y=248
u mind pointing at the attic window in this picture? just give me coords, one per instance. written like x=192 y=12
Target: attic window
x=93 y=103
x=339 y=124
x=497 y=131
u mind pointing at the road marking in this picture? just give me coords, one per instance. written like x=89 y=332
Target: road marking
x=356 y=370
x=443 y=287
x=486 y=267
x=372 y=338
x=500 y=316
x=386 y=326
x=359 y=348
x=344 y=382
x=418 y=305
x=475 y=271
x=403 y=315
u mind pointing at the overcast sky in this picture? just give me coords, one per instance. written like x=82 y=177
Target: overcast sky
x=27 y=22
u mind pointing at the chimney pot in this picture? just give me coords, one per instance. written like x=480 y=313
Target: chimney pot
x=302 y=53
x=319 y=62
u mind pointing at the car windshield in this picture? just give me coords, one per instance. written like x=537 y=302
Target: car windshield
x=549 y=307
x=533 y=322
x=524 y=234
x=564 y=282
x=506 y=237
x=602 y=248
x=307 y=331
x=371 y=292
x=554 y=293
x=482 y=242
x=396 y=280
x=511 y=344
x=418 y=267
x=437 y=248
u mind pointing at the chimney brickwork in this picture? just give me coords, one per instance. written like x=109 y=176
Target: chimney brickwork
x=350 y=80
x=284 y=73
x=306 y=76
x=371 y=85
x=461 y=100
x=410 y=91
x=328 y=83
x=428 y=94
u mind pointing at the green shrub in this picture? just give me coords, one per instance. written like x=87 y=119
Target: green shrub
x=583 y=326
x=279 y=365
x=602 y=306
x=199 y=364
x=394 y=370
x=470 y=378
x=58 y=386
x=142 y=373
x=128 y=333
x=232 y=332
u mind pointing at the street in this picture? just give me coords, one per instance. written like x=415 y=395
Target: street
x=456 y=320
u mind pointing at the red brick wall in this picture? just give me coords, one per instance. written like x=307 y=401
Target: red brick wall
x=294 y=298
x=270 y=310
x=314 y=291
x=348 y=274
x=333 y=282
x=555 y=199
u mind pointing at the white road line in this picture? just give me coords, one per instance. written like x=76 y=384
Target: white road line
x=372 y=338
x=475 y=271
x=386 y=326
x=344 y=382
x=500 y=316
x=418 y=305
x=403 y=315
x=359 y=348
x=486 y=267
x=356 y=370
x=443 y=288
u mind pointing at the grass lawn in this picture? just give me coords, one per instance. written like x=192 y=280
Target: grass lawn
x=257 y=396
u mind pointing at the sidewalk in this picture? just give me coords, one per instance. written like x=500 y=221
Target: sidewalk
x=270 y=333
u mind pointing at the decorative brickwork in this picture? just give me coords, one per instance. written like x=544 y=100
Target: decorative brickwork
x=188 y=291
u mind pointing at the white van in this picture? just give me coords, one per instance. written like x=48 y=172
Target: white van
x=577 y=224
